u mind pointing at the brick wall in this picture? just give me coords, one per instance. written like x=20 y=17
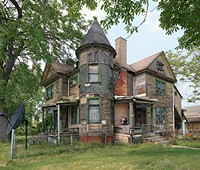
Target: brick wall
x=99 y=138
x=121 y=84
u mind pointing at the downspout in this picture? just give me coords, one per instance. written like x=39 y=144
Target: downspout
x=68 y=87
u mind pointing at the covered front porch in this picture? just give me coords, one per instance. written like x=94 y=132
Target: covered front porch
x=60 y=120
x=133 y=116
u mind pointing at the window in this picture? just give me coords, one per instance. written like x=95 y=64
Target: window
x=49 y=92
x=74 y=115
x=161 y=115
x=93 y=73
x=94 y=57
x=160 y=66
x=160 y=87
x=94 y=110
x=74 y=80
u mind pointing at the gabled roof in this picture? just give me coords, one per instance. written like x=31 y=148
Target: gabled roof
x=95 y=35
x=192 y=114
x=58 y=68
x=145 y=63
x=62 y=68
x=192 y=111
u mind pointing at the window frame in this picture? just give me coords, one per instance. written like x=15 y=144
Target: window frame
x=74 y=78
x=98 y=73
x=89 y=105
x=160 y=90
x=72 y=114
x=160 y=66
x=163 y=113
x=51 y=86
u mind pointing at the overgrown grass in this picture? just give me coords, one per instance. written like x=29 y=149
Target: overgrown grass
x=98 y=156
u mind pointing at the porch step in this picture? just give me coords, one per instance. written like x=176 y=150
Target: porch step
x=156 y=138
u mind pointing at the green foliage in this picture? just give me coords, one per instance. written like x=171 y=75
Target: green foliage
x=31 y=32
x=186 y=67
x=181 y=14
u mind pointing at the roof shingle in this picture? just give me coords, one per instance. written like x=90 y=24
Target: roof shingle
x=145 y=63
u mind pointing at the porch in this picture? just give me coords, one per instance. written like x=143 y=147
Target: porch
x=134 y=117
x=60 y=121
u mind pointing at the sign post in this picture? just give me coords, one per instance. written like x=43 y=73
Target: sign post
x=13 y=145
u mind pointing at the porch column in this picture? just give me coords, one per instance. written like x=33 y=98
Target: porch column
x=134 y=113
x=131 y=114
x=58 y=123
x=44 y=112
x=152 y=114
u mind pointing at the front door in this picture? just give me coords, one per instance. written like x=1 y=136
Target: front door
x=140 y=117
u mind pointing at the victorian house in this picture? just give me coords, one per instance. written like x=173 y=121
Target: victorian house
x=101 y=97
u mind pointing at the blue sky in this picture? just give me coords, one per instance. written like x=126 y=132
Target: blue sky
x=149 y=40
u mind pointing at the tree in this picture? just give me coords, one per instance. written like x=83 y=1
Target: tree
x=35 y=30
x=186 y=67
x=182 y=14
x=175 y=15
x=31 y=31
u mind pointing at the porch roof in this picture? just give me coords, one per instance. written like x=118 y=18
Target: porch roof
x=67 y=102
x=135 y=99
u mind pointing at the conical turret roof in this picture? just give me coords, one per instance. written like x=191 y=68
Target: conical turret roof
x=95 y=36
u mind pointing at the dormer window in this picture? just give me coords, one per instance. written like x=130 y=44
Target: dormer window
x=160 y=66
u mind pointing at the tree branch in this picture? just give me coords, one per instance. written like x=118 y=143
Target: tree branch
x=19 y=10
x=144 y=20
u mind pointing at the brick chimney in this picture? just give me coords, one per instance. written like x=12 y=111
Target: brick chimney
x=121 y=49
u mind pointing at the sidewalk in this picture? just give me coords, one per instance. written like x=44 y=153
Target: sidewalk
x=186 y=147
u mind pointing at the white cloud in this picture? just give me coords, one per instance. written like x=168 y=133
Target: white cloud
x=152 y=22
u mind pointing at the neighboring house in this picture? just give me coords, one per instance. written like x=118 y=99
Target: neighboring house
x=192 y=114
x=102 y=94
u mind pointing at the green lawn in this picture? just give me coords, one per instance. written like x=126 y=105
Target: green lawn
x=94 y=156
x=189 y=142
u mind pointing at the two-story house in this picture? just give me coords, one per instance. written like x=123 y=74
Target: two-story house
x=102 y=96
